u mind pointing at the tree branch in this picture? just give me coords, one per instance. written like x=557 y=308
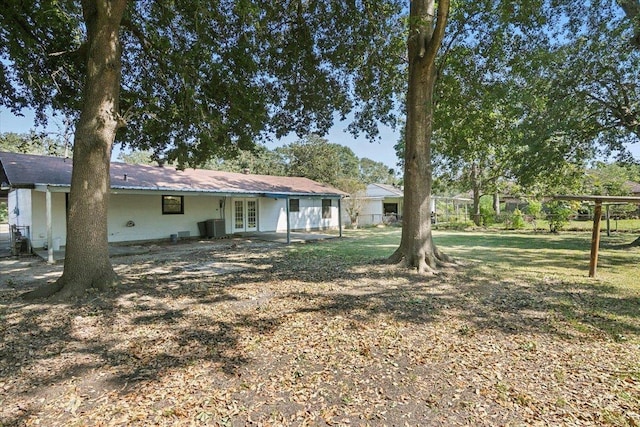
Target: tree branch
x=438 y=32
x=631 y=9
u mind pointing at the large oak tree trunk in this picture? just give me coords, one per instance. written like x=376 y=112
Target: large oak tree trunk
x=87 y=263
x=417 y=249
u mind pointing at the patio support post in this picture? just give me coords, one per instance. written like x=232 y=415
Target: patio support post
x=340 y=215
x=595 y=238
x=608 y=222
x=49 y=227
x=286 y=201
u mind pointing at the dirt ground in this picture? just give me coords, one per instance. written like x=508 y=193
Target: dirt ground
x=236 y=333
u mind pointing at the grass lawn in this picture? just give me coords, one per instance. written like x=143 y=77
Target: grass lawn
x=239 y=332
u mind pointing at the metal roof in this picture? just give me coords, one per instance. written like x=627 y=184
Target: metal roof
x=27 y=170
x=383 y=190
x=600 y=199
x=634 y=187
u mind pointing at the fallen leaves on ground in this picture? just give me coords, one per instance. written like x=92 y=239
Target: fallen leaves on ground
x=234 y=335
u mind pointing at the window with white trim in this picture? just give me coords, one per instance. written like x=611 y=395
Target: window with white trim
x=172 y=205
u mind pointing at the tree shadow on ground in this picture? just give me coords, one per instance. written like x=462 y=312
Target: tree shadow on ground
x=155 y=323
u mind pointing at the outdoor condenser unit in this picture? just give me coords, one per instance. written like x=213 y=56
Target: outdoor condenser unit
x=219 y=228
x=215 y=228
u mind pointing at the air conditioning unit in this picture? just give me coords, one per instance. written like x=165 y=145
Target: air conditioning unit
x=216 y=228
x=219 y=229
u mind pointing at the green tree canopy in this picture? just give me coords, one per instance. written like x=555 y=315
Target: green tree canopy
x=189 y=81
x=372 y=172
x=260 y=160
x=316 y=158
x=33 y=143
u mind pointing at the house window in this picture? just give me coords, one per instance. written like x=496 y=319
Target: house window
x=172 y=205
x=390 y=208
x=326 y=208
x=294 y=205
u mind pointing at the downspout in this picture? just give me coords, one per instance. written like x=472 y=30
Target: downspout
x=49 y=227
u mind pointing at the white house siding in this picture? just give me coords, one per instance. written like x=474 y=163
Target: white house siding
x=372 y=205
x=28 y=208
x=19 y=205
x=272 y=215
x=39 y=218
x=310 y=216
x=371 y=212
x=145 y=211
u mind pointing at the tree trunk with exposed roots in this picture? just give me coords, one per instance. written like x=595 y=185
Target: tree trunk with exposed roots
x=87 y=265
x=426 y=31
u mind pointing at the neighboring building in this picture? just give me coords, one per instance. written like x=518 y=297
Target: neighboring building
x=634 y=190
x=150 y=202
x=379 y=203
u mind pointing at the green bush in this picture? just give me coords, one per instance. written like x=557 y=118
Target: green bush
x=558 y=214
x=454 y=225
x=517 y=220
x=4 y=212
x=534 y=209
x=488 y=215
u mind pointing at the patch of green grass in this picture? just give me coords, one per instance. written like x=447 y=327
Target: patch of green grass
x=563 y=256
x=605 y=305
x=361 y=245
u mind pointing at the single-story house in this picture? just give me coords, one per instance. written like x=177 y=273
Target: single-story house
x=152 y=202
x=634 y=188
x=379 y=203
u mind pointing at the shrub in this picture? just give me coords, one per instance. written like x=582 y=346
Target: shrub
x=534 y=209
x=4 y=212
x=558 y=214
x=517 y=220
x=455 y=225
x=488 y=215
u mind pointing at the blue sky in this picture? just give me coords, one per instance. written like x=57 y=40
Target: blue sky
x=381 y=151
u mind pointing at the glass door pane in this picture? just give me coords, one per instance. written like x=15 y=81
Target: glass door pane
x=252 y=214
x=238 y=215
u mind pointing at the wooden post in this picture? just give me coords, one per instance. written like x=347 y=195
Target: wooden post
x=595 y=238
x=340 y=215
x=608 y=221
x=287 y=201
x=49 y=216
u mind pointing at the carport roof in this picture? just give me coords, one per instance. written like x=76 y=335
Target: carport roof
x=28 y=171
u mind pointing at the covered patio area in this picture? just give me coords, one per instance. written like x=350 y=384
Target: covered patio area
x=116 y=250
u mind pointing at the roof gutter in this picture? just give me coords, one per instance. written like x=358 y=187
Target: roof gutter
x=54 y=187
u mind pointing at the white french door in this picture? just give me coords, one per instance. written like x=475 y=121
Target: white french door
x=245 y=215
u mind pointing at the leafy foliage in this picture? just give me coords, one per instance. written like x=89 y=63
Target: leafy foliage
x=144 y=157
x=316 y=158
x=260 y=160
x=608 y=179
x=516 y=220
x=33 y=143
x=372 y=172
x=558 y=213
x=211 y=79
x=4 y=212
